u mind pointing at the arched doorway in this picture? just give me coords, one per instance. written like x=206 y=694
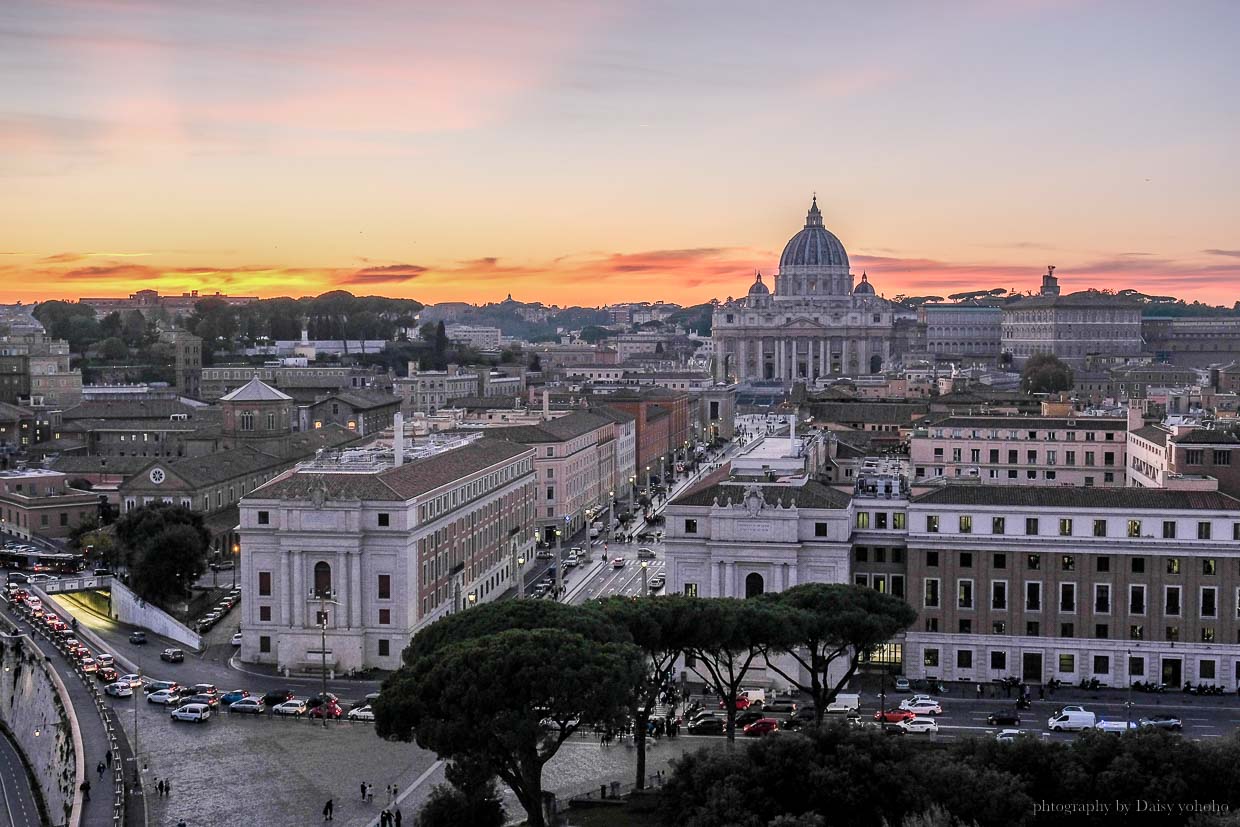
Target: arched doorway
x=322 y=580
x=876 y=363
x=754 y=585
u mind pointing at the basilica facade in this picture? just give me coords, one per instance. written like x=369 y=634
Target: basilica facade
x=816 y=324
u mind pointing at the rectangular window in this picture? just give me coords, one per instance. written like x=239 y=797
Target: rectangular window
x=1102 y=598
x=997 y=525
x=998 y=627
x=1168 y=529
x=966 y=524
x=1136 y=632
x=932 y=625
x=1208 y=567
x=863 y=519
x=1067 y=630
x=1138 y=565
x=965 y=626
x=1136 y=667
x=1067 y=597
x=932 y=523
x=1203 y=530
x=264 y=613
x=385 y=587
x=1032 y=628
x=930 y=658
x=264 y=518
x=966 y=560
x=897 y=585
x=1101 y=632
x=998 y=595
x=1173 y=565
x=384 y=519
x=964 y=594
x=1065 y=527
x=1136 y=599
x=1031 y=526
x=861 y=580
x=691 y=589
x=264 y=584
x=1000 y=560
x=1173 y=633
x=931 y=600
x=264 y=644
x=1067 y=663
x=1206 y=670
x=384 y=648
x=1134 y=528
x=1033 y=562
x=1171 y=601
x=1209 y=601
x=690 y=526
x=1033 y=597
x=898 y=520
x=1102 y=665
x=1067 y=562
x=820 y=529
x=932 y=559
x=862 y=554
x=385 y=617
x=964 y=658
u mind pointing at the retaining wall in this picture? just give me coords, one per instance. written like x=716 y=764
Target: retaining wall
x=127 y=607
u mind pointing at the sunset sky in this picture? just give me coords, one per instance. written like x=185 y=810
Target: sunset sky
x=583 y=153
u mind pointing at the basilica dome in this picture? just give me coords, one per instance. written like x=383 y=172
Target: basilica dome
x=758 y=288
x=814 y=247
x=864 y=287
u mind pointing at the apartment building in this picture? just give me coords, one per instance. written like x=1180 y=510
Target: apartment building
x=427 y=391
x=39 y=502
x=1065 y=449
x=376 y=547
x=1184 y=456
x=1044 y=583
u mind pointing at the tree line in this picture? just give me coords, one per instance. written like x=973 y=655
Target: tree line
x=499 y=688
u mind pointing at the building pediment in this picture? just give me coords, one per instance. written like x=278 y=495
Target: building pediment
x=800 y=324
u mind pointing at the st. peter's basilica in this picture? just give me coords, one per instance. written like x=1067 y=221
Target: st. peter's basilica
x=816 y=324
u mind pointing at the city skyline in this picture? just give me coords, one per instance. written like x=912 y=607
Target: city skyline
x=577 y=156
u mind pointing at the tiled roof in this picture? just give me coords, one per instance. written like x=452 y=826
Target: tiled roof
x=395 y=484
x=76 y=464
x=1205 y=436
x=135 y=409
x=560 y=429
x=85 y=425
x=1059 y=497
x=1025 y=422
x=1152 y=433
x=11 y=413
x=219 y=466
x=812 y=494
x=1084 y=298
x=256 y=390
x=364 y=400
x=870 y=412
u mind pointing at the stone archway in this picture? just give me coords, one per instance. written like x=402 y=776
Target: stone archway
x=754 y=584
x=876 y=363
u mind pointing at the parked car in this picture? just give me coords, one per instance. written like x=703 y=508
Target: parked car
x=253 y=706
x=893 y=716
x=362 y=713
x=195 y=712
x=212 y=701
x=172 y=656
x=924 y=726
x=1161 y=722
x=229 y=698
x=164 y=697
x=706 y=726
x=902 y=684
x=156 y=686
x=1115 y=726
x=748 y=717
x=1004 y=717
x=331 y=710
x=118 y=689
x=296 y=706
x=206 y=689
x=236 y=639
x=742 y=703
x=763 y=726
x=1007 y=736
x=702 y=714
x=657 y=582
x=321 y=698
x=277 y=696
x=137 y=638
x=783 y=706
x=645 y=554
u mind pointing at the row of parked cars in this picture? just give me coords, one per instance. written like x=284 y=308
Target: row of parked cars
x=101 y=665
x=213 y=617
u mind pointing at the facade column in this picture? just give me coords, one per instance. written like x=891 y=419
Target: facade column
x=340 y=569
x=286 y=589
x=299 y=590
x=355 y=589
x=742 y=370
x=845 y=352
x=809 y=360
x=736 y=588
x=779 y=359
x=718 y=578
x=824 y=358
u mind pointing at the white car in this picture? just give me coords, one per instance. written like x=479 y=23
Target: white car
x=902 y=684
x=929 y=726
x=618 y=563
x=191 y=712
x=924 y=708
x=163 y=696
x=362 y=713
x=293 y=707
x=1007 y=736
x=119 y=689
x=904 y=704
x=104 y=659
x=236 y=639
x=134 y=681
x=254 y=706
x=1115 y=726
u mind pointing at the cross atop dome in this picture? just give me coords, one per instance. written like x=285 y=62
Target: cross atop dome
x=814 y=217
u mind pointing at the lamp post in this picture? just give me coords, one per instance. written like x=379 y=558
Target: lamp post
x=1128 y=694
x=520 y=577
x=645 y=584
x=559 y=570
x=324 y=597
x=236 y=550
x=611 y=520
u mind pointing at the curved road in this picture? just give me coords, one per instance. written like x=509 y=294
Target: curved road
x=18 y=797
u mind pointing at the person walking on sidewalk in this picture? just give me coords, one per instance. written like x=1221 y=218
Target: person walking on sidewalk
x=86 y=790
x=328 y=809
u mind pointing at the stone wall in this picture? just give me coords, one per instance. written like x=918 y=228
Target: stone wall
x=35 y=707
x=127 y=607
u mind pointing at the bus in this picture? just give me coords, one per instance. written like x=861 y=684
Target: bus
x=30 y=559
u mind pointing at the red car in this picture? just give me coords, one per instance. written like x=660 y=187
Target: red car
x=893 y=716
x=763 y=726
x=742 y=703
x=331 y=709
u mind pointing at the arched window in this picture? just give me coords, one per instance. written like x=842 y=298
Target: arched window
x=753 y=585
x=322 y=580
x=876 y=363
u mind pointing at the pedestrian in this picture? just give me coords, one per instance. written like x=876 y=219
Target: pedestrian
x=327 y=811
x=1041 y=693
x=362 y=786
x=385 y=819
x=979 y=691
x=370 y=792
x=391 y=791
x=167 y=788
x=396 y=818
x=100 y=768
x=86 y=790
x=108 y=757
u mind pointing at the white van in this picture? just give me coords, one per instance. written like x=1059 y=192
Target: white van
x=1071 y=720
x=844 y=703
x=753 y=695
x=191 y=712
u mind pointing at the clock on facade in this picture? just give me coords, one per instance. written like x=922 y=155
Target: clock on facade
x=157 y=475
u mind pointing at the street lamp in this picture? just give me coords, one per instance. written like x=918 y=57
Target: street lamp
x=611 y=520
x=324 y=596
x=1128 y=692
x=645 y=584
x=236 y=550
x=559 y=569
x=520 y=577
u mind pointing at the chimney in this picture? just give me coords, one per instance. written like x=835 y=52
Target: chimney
x=398 y=438
x=546 y=406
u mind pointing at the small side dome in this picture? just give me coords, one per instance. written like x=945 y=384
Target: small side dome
x=758 y=288
x=864 y=288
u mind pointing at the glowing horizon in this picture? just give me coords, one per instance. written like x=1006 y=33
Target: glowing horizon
x=585 y=156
